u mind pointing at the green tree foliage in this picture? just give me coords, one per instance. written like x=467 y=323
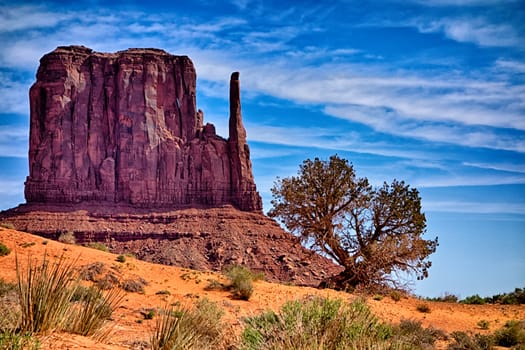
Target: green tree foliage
x=374 y=233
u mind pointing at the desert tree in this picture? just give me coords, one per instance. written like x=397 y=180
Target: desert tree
x=374 y=233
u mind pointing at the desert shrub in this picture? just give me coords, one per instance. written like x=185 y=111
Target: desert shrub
x=241 y=281
x=4 y=250
x=108 y=281
x=6 y=287
x=67 y=237
x=134 y=285
x=7 y=225
x=483 y=324
x=163 y=292
x=14 y=341
x=473 y=300
x=98 y=246
x=463 y=341
x=315 y=323
x=446 y=298
x=411 y=332
x=213 y=284
x=91 y=271
x=183 y=328
x=423 y=308
x=396 y=295
x=121 y=258
x=511 y=334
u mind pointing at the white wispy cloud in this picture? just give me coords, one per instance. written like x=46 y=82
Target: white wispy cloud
x=477 y=30
x=473 y=207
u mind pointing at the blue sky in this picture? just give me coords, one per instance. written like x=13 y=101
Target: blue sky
x=427 y=91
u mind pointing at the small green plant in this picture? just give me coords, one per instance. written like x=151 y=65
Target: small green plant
x=121 y=258
x=423 y=308
x=396 y=295
x=241 y=281
x=7 y=225
x=4 y=250
x=67 y=237
x=163 y=292
x=484 y=324
x=12 y=340
x=149 y=314
x=98 y=246
x=377 y=297
x=184 y=328
x=27 y=244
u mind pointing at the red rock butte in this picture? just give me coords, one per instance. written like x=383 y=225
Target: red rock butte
x=123 y=128
x=119 y=154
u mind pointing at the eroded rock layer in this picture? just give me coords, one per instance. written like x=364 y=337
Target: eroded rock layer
x=124 y=128
x=201 y=239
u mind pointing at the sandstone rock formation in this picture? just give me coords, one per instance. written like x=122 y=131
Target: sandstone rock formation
x=119 y=154
x=124 y=128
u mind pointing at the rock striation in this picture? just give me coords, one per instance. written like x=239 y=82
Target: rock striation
x=124 y=128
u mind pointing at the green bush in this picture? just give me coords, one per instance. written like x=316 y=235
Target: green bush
x=511 y=334
x=423 y=308
x=462 y=341
x=473 y=300
x=121 y=258
x=411 y=332
x=483 y=324
x=315 y=323
x=7 y=225
x=241 y=281
x=197 y=328
x=14 y=341
x=98 y=246
x=4 y=250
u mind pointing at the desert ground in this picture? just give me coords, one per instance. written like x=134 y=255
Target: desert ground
x=129 y=329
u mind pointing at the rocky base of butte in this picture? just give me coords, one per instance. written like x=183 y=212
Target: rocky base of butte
x=119 y=153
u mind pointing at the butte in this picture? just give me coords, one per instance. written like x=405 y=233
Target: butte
x=119 y=154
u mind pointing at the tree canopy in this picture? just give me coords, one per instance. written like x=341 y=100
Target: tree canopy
x=374 y=233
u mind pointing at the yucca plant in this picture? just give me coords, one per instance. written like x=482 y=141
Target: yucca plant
x=44 y=293
x=92 y=310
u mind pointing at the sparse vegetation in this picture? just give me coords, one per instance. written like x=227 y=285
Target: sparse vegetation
x=473 y=300
x=121 y=258
x=411 y=332
x=7 y=225
x=396 y=295
x=4 y=250
x=134 y=285
x=316 y=323
x=50 y=298
x=483 y=324
x=446 y=298
x=163 y=292
x=516 y=297
x=98 y=246
x=241 y=281
x=424 y=308
x=512 y=334
x=183 y=328
x=67 y=237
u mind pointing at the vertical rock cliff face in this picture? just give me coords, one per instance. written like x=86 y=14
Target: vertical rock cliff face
x=123 y=128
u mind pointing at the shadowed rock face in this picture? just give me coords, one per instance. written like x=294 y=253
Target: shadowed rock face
x=123 y=128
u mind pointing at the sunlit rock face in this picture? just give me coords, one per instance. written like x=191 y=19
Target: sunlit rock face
x=123 y=128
